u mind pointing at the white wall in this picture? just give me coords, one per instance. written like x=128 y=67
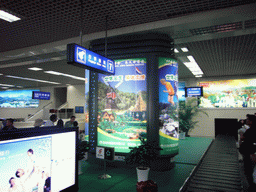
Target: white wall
x=205 y=126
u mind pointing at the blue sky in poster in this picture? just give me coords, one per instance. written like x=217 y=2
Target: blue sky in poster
x=163 y=71
x=14 y=156
x=129 y=86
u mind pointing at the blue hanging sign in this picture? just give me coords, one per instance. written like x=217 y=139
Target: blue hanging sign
x=82 y=57
x=41 y=95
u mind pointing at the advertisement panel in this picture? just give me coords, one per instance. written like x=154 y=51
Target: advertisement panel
x=238 y=93
x=86 y=106
x=168 y=102
x=122 y=105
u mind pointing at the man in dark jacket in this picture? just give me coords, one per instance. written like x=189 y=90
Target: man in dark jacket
x=9 y=125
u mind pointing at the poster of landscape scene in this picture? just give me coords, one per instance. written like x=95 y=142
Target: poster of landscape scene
x=168 y=102
x=238 y=93
x=122 y=108
x=18 y=99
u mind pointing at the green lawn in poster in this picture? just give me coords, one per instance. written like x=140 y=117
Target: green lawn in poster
x=168 y=102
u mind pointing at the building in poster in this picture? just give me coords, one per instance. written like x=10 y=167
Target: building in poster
x=122 y=107
x=168 y=102
x=238 y=93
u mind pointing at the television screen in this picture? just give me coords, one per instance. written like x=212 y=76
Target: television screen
x=41 y=95
x=38 y=160
x=193 y=91
x=18 y=99
x=79 y=109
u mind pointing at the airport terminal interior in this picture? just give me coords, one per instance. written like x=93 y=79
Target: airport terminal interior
x=166 y=54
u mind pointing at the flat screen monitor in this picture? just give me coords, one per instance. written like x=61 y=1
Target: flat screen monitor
x=39 y=160
x=193 y=91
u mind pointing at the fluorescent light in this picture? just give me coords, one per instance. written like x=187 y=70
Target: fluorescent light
x=6 y=85
x=198 y=76
x=30 y=79
x=19 y=86
x=8 y=17
x=1 y=74
x=176 y=50
x=191 y=59
x=53 y=72
x=184 y=49
x=35 y=69
x=65 y=75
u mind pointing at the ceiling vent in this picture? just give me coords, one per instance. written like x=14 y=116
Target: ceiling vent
x=250 y=24
x=217 y=28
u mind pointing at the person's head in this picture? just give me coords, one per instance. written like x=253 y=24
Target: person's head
x=250 y=120
x=163 y=81
x=38 y=122
x=30 y=152
x=60 y=123
x=72 y=118
x=19 y=173
x=53 y=117
x=9 y=122
x=12 y=181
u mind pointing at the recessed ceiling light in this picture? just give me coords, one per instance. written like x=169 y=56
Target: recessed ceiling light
x=30 y=79
x=184 y=49
x=19 y=86
x=35 y=69
x=8 y=17
x=6 y=85
x=191 y=58
x=176 y=50
x=198 y=75
x=65 y=75
x=1 y=74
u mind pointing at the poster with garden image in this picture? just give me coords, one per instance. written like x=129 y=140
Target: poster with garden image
x=122 y=107
x=168 y=102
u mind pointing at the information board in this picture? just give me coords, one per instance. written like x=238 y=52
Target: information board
x=41 y=95
x=82 y=57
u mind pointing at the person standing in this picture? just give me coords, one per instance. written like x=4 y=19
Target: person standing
x=50 y=123
x=70 y=123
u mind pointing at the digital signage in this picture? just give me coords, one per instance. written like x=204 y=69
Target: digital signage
x=41 y=95
x=122 y=106
x=34 y=160
x=193 y=91
x=235 y=93
x=82 y=57
x=168 y=103
x=18 y=99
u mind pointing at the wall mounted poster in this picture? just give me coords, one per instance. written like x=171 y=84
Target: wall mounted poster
x=238 y=93
x=168 y=102
x=122 y=105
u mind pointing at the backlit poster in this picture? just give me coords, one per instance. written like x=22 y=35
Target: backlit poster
x=86 y=107
x=168 y=102
x=238 y=93
x=122 y=105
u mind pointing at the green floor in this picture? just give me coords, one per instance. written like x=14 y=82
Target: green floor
x=124 y=178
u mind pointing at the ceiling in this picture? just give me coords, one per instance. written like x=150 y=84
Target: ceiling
x=220 y=35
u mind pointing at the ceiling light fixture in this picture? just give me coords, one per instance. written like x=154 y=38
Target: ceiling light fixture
x=35 y=69
x=6 y=85
x=30 y=79
x=8 y=17
x=176 y=50
x=184 y=49
x=65 y=75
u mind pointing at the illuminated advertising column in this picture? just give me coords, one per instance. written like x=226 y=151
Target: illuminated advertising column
x=122 y=105
x=86 y=106
x=168 y=103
